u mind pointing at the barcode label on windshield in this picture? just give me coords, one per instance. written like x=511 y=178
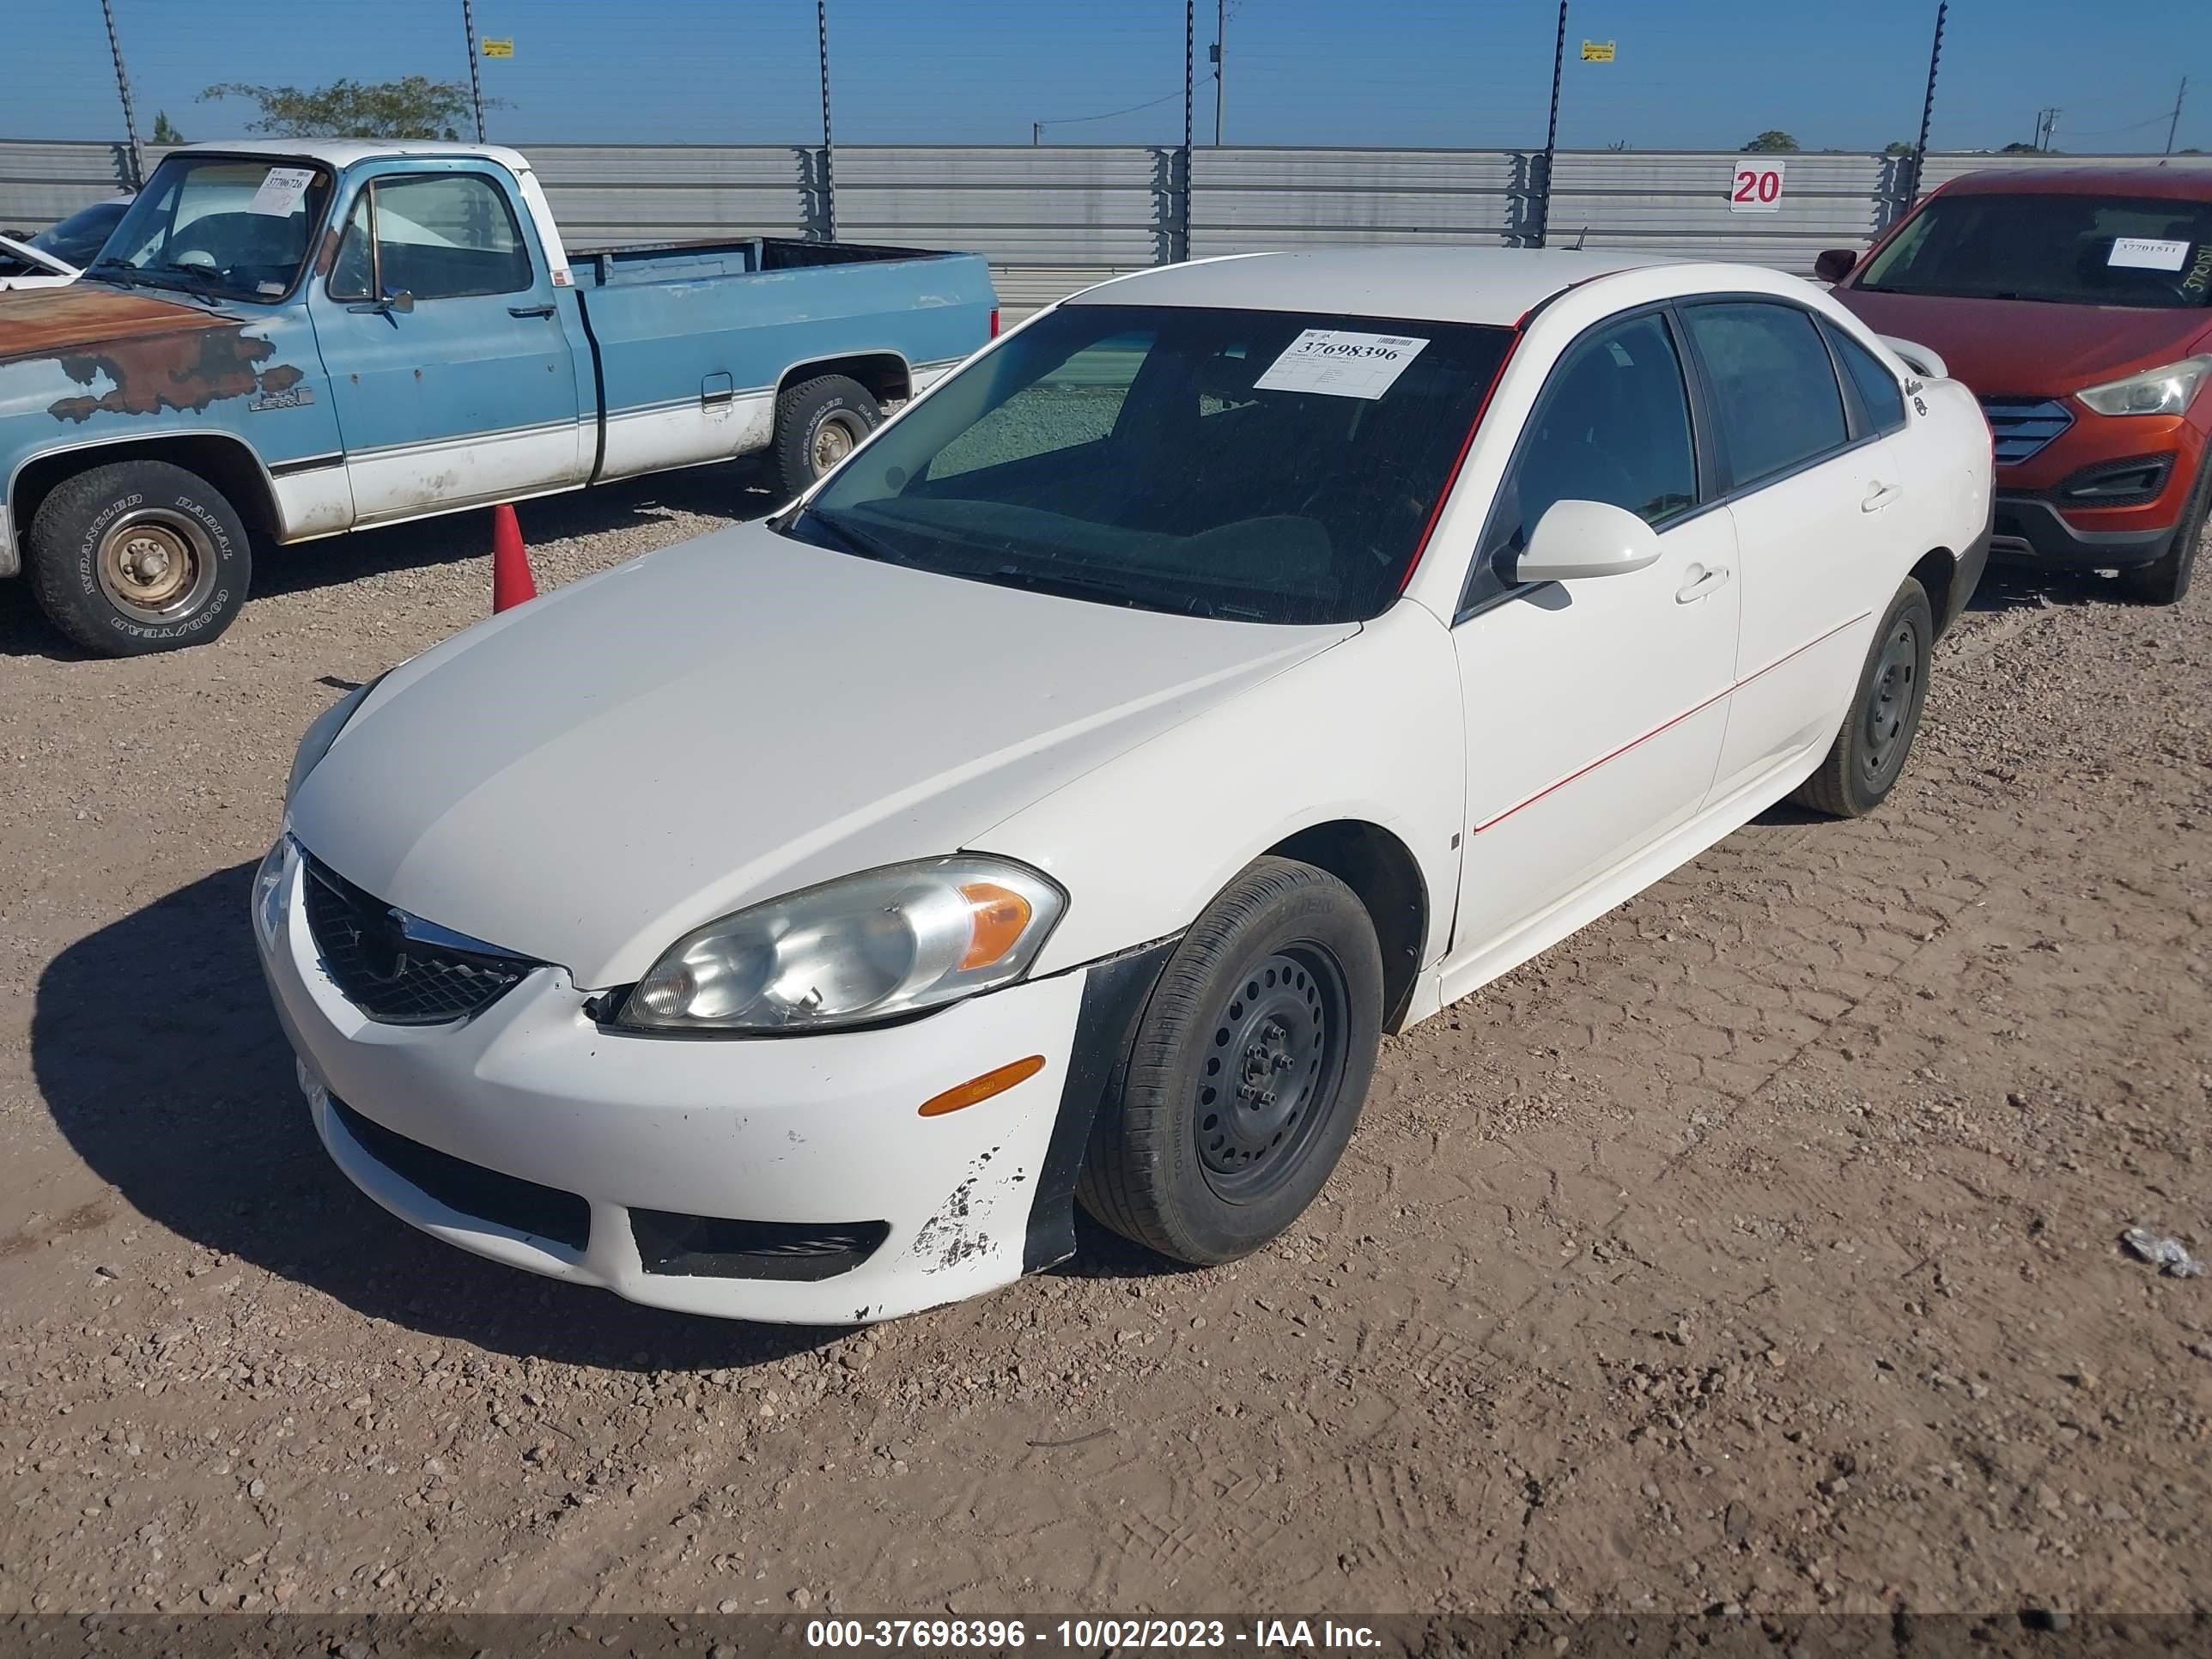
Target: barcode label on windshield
x=280 y=192
x=2148 y=253
x=1340 y=362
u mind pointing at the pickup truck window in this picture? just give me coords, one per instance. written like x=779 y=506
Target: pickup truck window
x=2062 y=250
x=1249 y=465
x=221 y=226
x=436 y=236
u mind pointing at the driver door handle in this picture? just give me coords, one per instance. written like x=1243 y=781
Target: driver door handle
x=1703 y=584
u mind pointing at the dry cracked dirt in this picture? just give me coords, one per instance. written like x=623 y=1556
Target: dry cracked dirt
x=1756 y=1248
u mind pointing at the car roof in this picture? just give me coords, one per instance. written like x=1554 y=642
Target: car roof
x=2190 y=182
x=344 y=152
x=1497 y=286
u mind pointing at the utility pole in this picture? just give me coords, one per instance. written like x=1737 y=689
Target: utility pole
x=2171 y=125
x=828 y=145
x=476 y=81
x=1037 y=134
x=123 y=86
x=2051 y=126
x=1220 y=64
x=1189 y=94
x=1552 y=131
x=1927 y=108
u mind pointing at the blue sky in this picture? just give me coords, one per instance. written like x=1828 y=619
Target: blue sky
x=1694 y=74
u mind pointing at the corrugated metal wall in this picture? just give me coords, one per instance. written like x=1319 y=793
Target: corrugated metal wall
x=1053 y=218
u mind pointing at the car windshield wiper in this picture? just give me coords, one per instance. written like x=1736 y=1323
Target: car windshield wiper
x=1067 y=587
x=856 y=541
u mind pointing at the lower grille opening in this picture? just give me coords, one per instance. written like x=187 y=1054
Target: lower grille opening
x=505 y=1200
x=709 y=1247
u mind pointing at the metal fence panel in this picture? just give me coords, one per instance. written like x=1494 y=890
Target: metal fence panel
x=1679 y=203
x=1941 y=169
x=40 y=182
x=1243 y=200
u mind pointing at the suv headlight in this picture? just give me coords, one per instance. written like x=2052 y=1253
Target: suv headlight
x=863 y=948
x=315 y=742
x=2165 y=390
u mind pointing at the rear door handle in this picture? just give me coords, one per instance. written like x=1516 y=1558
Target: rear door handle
x=530 y=311
x=1703 y=584
x=1878 y=497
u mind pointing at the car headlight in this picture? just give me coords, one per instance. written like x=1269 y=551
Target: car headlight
x=2167 y=390
x=271 y=890
x=866 y=947
x=315 y=742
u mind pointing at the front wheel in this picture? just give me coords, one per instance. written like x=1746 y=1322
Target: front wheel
x=138 y=557
x=818 y=423
x=1246 y=1072
x=1869 y=753
x=2165 y=581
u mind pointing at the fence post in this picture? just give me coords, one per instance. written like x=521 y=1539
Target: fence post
x=123 y=86
x=1551 y=132
x=1189 y=77
x=476 y=81
x=828 y=144
x=1927 y=111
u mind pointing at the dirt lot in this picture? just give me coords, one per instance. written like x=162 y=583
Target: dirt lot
x=1755 y=1247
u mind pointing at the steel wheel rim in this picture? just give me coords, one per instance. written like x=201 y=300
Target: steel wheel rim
x=157 y=564
x=833 y=440
x=1274 y=1066
x=1889 y=710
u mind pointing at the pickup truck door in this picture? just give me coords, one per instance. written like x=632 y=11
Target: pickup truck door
x=452 y=370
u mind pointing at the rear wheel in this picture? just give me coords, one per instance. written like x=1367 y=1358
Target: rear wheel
x=138 y=557
x=1246 y=1072
x=1869 y=753
x=818 y=423
x=2165 y=581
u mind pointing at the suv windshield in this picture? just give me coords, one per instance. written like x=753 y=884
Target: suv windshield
x=1252 y=465
x=2066 y=250
x=221 y=226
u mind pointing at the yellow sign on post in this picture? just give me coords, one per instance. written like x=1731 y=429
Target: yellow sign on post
x=498 y=48
x=1597 y=51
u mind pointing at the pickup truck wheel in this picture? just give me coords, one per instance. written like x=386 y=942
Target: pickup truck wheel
x=2166 y=581
x=1869 y=753
x=819 y=423
x=138 y=557
x=1247 y=1072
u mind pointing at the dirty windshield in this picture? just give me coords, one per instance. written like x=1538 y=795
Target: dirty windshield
x=1252 y=466
x=2066 y=250
x=215 y=225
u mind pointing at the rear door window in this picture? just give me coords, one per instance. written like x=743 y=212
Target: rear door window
x=1880 y=396
x=1773 y=384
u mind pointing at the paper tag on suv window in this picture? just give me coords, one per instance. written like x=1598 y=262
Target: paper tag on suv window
x=281 y=192
x=1341 y=362
x=2147 y=253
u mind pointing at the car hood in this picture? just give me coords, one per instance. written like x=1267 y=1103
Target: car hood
x=2021 y=347
x=587 y=777
x=48 y=321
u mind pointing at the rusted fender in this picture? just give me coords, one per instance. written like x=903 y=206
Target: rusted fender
x=154 y=354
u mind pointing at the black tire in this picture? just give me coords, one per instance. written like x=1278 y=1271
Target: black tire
x=1281 y=978
x=138 y=557
x=1869 y=753
x=2165 y=581
x=817 y=423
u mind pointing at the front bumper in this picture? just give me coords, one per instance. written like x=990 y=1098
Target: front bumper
x=2047 y=512
x=819 y=1132
x=2030 y=528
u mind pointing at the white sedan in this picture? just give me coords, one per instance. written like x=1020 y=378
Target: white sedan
x=1233 y=663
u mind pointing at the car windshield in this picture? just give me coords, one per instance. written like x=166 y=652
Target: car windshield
x=78 y=238
x=221 y=226
x=1252 y=465
x=2065 y=250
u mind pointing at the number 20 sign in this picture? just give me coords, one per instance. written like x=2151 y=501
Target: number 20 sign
x=1756 y=188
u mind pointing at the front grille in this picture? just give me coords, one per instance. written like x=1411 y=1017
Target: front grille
x=390 y=973
x=505 y=1200
x=2022 y=426
x=709 y=1247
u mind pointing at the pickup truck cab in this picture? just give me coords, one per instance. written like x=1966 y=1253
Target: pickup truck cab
x=2076 y=303
x=282 y=341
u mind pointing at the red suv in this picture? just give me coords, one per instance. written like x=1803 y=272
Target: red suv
x=2077 y=304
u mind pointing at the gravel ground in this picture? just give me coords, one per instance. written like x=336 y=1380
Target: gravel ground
x=1755 y=1247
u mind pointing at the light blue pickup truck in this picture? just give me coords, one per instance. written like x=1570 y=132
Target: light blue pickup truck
x=283 y=340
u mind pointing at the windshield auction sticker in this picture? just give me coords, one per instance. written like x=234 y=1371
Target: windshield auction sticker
x=280 y=192
x=1341 y=362
x=2148 y=253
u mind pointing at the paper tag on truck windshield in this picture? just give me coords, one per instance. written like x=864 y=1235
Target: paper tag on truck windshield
x=2147 y=253
x=1340 y=362
x=281 y=192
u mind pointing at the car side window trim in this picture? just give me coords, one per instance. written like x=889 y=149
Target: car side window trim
x=368 y=194
x=1855 y=437
x=1701 y=455
x=1863 y=423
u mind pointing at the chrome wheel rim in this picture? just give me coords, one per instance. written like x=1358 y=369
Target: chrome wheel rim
x=156 y=565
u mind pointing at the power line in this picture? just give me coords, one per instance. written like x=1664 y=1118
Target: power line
x=1071 y=120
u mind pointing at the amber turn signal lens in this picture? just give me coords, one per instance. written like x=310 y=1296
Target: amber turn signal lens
x=996 y=917
x=983 y=1088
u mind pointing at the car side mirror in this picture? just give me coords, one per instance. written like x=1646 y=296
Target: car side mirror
x=1575 y=540
x=1835 y=264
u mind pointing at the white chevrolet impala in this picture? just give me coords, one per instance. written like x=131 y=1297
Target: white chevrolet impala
x=1233 y=663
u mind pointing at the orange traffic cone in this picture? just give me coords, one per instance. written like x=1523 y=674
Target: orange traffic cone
x=510 y=562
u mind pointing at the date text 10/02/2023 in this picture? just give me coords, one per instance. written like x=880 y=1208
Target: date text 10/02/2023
x=1088 y=1635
